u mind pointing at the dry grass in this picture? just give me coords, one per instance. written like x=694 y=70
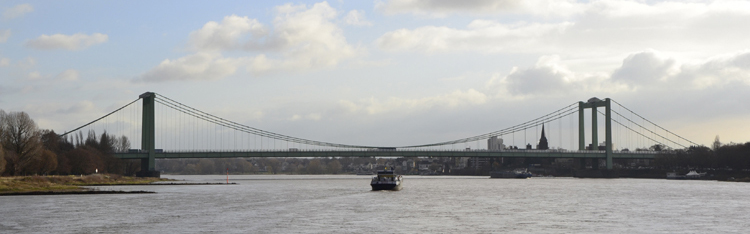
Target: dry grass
x=32 y=183
x=65 y=183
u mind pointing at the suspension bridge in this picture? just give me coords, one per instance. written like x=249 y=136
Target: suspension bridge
x=181 y=131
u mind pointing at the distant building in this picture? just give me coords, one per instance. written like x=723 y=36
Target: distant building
x=602 y=146
x=495 y=144
x=478 y=162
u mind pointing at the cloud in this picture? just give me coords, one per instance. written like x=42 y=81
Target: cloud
x=80 y=107
x=27 y=63
x=442 y=8
x=301 y=39
x=311 y=116
x=17 y=11
x=304 y=39
x=717 y=71
x=600 y=28
x=455 y=99
x=69 y=42
x=540 y=79
x=4 y=35
x=356 y=18
x=227 y=34
x=480 y=35
x=68 y=75
x=643 y=68
x=35 y=75
x=550 y=76
x=4 y=62
x=199 y=66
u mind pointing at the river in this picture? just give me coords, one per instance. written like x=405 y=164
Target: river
x=427 y=204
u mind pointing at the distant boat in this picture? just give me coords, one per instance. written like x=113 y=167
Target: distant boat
x=692 y=175
x=674 y=176
x=386 y=180
x=520 y=173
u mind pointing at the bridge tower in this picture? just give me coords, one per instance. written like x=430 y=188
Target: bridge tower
x=148 y=141
x=593 y=103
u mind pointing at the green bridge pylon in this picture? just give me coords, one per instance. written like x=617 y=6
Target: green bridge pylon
x=593 y=103
x=148 y=141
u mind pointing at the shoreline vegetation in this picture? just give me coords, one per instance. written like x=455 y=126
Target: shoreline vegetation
x=59 y=185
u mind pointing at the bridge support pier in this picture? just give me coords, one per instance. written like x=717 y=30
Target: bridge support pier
x=148 y=141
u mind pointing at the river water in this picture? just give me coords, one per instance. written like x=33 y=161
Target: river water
x=427 y=204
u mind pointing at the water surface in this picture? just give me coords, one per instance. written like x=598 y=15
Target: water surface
x=429 y=204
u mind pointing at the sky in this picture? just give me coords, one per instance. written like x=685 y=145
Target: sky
x=384 y=72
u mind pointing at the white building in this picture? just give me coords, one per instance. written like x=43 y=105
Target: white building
x=495 y=144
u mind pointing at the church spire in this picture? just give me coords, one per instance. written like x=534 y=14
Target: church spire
x=543 y=144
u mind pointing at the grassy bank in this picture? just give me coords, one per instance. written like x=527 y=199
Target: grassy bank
x=64 y=184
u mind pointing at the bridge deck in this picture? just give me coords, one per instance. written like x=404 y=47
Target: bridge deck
x=395 y=153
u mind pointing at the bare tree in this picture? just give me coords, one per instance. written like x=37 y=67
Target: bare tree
x=44 y=164
x=122 y=144
x=334 y=167
x=315 y=167
x=106 y=144
x=132 y=166
x=91 y=139
x=50 y=140
x=79 y=139
x=21 y=137
x=272 y=164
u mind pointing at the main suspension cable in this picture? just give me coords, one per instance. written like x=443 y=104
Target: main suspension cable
x=654 y=123
x=105 y=116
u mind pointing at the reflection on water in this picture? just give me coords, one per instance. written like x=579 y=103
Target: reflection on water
x=435 y=204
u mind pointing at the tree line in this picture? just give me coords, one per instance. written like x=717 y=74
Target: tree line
x=206 y=166
x=27 y=150
x=732 y=156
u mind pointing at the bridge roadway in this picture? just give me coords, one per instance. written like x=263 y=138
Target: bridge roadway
x=395 y=153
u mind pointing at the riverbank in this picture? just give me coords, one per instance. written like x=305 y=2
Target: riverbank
x=56 y=185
